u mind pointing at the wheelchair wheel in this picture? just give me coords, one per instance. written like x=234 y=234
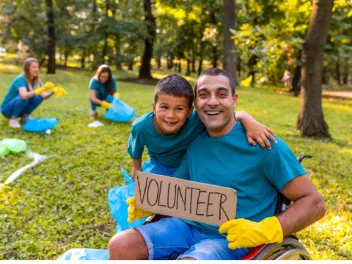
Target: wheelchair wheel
x=289 y=249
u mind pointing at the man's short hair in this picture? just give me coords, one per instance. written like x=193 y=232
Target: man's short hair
x=174 y=85
x=216 y=72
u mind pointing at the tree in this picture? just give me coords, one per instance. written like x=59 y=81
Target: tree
x=311 y=118
x=51 y=37
x=229 y=62
x=145 y=69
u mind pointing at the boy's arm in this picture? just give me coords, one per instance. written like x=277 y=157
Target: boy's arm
x=137 y=166
x=255 y=130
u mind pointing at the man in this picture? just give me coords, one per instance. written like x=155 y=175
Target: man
x=256 y=174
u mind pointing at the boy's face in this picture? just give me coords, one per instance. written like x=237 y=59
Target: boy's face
x=170 y=113
x=215 y=104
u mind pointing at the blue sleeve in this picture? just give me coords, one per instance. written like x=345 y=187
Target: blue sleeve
x=281 y=165
x=135 y=143
x=20 y=83
x=92 y=84
x=183 y=170
x=114 y=83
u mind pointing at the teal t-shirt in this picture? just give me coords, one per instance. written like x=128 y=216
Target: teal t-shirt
x=100 y=88
x=17 y=83
x=167 y=150
x=256 y=174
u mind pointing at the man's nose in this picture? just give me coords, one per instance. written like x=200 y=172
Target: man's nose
x=213 y=100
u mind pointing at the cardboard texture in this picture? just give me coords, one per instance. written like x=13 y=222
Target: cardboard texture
x=185 y=199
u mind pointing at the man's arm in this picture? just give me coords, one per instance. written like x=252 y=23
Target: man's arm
x=308 y=206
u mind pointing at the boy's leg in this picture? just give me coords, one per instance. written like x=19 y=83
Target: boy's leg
x=128 y=245
x=160 y=240
x=33 y=103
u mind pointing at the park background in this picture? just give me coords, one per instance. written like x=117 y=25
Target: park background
x=62 y=203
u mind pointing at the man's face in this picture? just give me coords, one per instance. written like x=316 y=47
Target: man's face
x=170 y=113
x=215 y=104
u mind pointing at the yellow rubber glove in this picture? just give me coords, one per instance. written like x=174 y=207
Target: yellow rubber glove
x=105 y=104
x=134 y=213
x=59 y=91
x=117 y=95
x=47 y=86
x=242 y=233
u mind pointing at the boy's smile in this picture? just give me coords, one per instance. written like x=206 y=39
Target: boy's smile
x=170 y=113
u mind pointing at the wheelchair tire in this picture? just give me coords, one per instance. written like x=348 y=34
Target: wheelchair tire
x=289 y=248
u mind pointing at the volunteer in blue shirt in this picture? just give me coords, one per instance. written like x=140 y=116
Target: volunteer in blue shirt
x=100 y=86
x=25 y=94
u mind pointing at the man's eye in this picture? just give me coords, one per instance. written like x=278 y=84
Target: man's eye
x=202 y=95
x=223 y=95
x=164 y=107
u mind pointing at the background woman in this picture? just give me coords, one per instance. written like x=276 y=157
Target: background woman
x=100 y=86
x=25 y=94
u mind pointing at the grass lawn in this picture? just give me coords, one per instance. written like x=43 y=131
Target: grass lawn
x=62 y=203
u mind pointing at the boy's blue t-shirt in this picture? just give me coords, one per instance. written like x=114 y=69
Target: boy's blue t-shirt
x=167 y=150
x=17 y=83
x=100 y=88
x=256 y=174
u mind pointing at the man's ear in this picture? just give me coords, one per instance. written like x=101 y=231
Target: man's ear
x=190 y=111
x=153 y=106
x=235 y=97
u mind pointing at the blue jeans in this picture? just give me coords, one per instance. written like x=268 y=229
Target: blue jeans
x=101 y=97
x=171 y=236
x=19 y=107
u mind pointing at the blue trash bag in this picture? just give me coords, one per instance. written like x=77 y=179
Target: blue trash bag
x=117 y=202
x=40 y=125
x=118 y=195
x=85 y=254
x=119 y=111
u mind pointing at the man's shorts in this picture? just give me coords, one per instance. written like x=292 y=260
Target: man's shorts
x=173 y=236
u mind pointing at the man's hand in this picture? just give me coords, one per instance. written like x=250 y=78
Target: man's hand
x=242 y=233
x=47 y=86
x=105 y=104
x=133 y=212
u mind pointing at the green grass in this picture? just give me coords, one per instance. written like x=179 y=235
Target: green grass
x=62 y=203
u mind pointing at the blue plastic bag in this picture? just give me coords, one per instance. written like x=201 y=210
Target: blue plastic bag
x=118 y=195
x=40 y=125
x=85 y=254
x=119 y=111
x=117 y=202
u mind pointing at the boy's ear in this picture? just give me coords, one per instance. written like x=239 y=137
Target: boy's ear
x=190 y=111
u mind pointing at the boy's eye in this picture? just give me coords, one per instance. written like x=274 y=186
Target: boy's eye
x=180 y=109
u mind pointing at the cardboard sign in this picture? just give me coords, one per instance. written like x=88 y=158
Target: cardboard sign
x=185 y=199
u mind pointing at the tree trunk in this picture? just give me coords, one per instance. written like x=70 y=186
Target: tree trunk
x=337 y=70
x=193 y=63
x=51 y=35
x=188 y=69
x=215 y=57
x=311 y=118
x=179 y=66
x=345 y=74
x=296 y=85
x=130 y=65
x=229 y=62
x=145 y=69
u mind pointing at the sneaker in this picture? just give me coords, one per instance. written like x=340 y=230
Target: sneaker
x=93 y=115
x=14 y=123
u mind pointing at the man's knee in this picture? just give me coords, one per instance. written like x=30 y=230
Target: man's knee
x=128 y=245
